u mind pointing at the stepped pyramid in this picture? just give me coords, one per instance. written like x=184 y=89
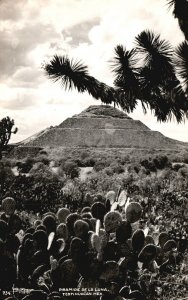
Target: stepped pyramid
x=102 y=126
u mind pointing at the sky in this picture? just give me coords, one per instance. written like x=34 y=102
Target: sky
x=32 y=31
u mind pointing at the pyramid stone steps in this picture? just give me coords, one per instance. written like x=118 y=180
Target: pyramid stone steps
x=102 y=123
x=102 y=127
x=105 y=138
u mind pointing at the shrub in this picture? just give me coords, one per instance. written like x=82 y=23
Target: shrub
x=25 y=166
x=149 y=165
x=183 y=171
x=185 y=158
x=109 y=171
x=43 y=159
x=161 y=162
x=43 y=152
x=70 y=168
x=117 y=168
x=137 y=168
x=177 y=166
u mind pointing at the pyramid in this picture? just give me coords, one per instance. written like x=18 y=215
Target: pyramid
x=102 y=126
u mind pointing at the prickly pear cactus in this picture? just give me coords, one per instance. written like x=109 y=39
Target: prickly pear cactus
x=62 y=214
x=169 y=245
x=148 y=253
x=61 y=245
x=95 y=242
x=62 y=231
x=50 y=223
x=123 y=232
x=77 y=249
x=133 y=212
x=111 y=196
x=163 y=238
x=99 y=241
x=81 y=228
x=149 y=240
x=136 y=294
x=70 y=220
x=112 y=220
x=122 y=198
x=98 y=210
x=9 y=205
x=69 y=273
x=103 y=237
x=110 y=271
x=138 y=239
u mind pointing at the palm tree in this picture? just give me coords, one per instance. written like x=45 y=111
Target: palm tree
x=181 y=63
x=154 y=82
x=147 y=73
x=75 y=75
x=180 y=11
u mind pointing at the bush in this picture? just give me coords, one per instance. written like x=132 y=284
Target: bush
x=25 y=166
x=43 y=152
x=137 y=168
x=177 y=166
x=43 y=159
x=149 y=165
x=70 y=168
x=99 y=166
x=185 y=158
x=183 y=171
x=87 y=162
x=161 y=162
x=109 y=171
x=117 y=168
x=5 y=173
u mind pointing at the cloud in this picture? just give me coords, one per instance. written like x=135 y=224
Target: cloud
x=18 y=98
x=6 y=12
x=17 y=44
x=78 y=33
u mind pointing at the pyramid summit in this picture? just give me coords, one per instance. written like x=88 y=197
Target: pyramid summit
x=102 y=126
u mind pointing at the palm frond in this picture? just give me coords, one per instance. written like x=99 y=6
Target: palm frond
x=124 y=59
x=156 y=56
x=181 y=63
x=74 y=74
x=71 y=74
x=180 y=8
x=148 y=41
x=156 y=52
x=124 y=66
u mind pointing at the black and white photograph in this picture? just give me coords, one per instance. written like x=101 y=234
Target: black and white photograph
x=93 y=150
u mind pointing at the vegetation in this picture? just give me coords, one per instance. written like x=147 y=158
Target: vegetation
x=180 y=9
x=152 y=73
x=154 y=184
x=35 y=180
x=6 y=130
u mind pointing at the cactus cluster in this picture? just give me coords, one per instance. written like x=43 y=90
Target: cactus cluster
x=95 y=247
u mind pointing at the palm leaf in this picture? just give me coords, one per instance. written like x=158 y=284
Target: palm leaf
x=71 y=74
x=75 y=75
x=180 y=8
x=126 y=81
x=181 y=63
x=156 y=53
x=156 y=57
